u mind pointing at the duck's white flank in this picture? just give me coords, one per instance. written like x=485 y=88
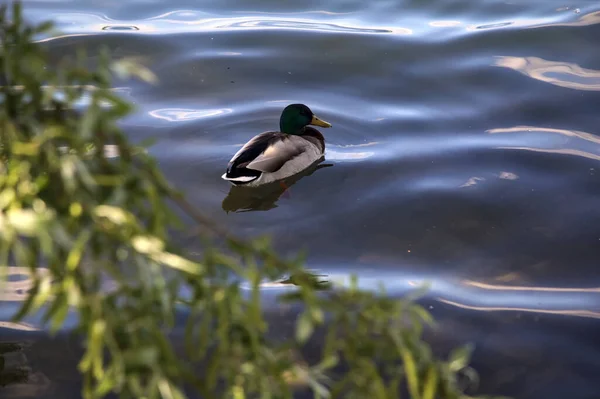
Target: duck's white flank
x=241 y=179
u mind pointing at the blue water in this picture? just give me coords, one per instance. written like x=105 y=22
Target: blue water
x=465 y=149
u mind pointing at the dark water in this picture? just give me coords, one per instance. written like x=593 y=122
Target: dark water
x=465 y=152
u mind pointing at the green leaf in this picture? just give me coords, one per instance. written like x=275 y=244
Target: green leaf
x=59 y=315
x=317 y=315
x=178 y=262
x=86 y=177
x=304 y=327
x=459 y=358
x=168 y=391
x=430 y=386
x=76 y=252
x=126 y=68
x=144 y=356
x=115 y=214
x=7 y=196
x=410 y=369
x=106 y=385
x=26 y=149
x=319 y=389
x=424 y=315
x=67 y=171
x=25 y=221
x=93 y=358
x=43 y=293
x=327 y=363
x=147 y=244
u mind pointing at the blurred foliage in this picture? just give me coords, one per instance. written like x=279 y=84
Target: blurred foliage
x=101 y=227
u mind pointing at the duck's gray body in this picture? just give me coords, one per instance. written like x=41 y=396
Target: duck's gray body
x=273 y=156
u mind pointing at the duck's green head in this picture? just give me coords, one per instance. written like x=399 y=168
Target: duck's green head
x=295 y=117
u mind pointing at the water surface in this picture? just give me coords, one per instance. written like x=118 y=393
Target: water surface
x=465 y=152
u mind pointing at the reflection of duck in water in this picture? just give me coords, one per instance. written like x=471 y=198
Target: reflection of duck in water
x=273 y=156
x=264 y=197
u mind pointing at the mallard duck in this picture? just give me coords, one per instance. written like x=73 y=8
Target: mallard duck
x=272 y=156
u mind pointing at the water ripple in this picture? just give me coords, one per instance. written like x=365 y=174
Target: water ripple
x=474 y=295
x=305 y=25
x=551 y=141
x=182 y=114
x=563 y=74
x=90 y=22
x=179 y=21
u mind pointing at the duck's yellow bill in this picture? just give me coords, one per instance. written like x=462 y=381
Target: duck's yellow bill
x=318 y=122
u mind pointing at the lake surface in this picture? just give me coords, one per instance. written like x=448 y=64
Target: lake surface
x=465 y=152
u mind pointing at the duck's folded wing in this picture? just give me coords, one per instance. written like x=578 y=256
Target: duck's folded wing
x=252 y=149
x=278 y=153
x=268 y=152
